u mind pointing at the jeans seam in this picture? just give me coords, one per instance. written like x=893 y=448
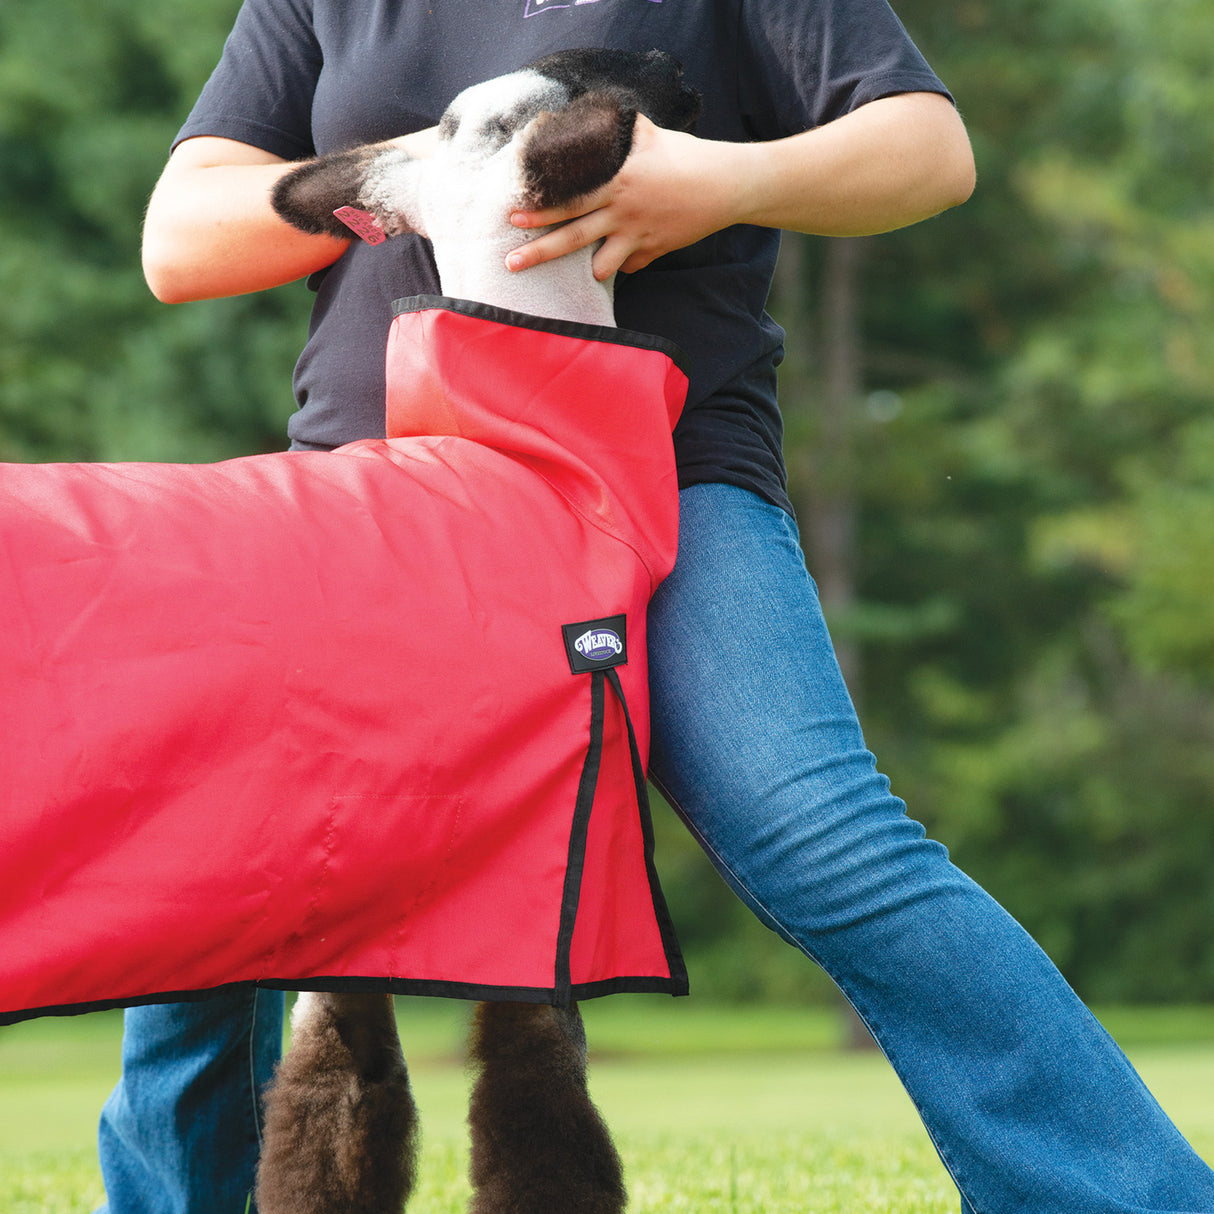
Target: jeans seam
x=253 y=1093
x=723 y=866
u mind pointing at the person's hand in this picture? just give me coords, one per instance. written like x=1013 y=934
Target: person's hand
x=673 y=190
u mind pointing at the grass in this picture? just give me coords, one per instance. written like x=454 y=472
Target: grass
x=738 y=1110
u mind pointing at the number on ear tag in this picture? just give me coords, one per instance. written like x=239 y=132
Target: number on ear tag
x=362 y=224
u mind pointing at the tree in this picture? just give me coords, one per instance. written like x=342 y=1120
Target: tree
x=1029 y=452
x=90 y=365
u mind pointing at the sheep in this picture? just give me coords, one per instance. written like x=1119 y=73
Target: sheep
x=341 y=1124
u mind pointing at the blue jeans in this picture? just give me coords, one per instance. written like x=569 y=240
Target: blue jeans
x=181 y=1131
x=1030 y=1104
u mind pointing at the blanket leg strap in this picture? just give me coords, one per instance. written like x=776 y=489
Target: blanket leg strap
x=563 y=990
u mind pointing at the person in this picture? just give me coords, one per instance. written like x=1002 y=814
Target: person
x=819 y=116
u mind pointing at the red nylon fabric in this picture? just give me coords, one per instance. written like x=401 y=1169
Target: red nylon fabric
x=307 y=719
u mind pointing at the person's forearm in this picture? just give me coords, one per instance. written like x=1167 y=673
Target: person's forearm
x=215 y=234
x=887 y=164
x=211 y=230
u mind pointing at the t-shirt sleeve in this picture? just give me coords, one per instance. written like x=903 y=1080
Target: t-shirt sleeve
x=807 y=62
x=261 y=91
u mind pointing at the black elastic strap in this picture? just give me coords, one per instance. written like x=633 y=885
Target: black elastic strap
x=670 y=941
x=563 y=989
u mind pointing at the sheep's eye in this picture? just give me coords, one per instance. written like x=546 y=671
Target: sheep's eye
x=448 y=125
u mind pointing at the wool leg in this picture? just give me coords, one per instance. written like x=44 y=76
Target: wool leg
x=539 y=1145
x=341 y=1125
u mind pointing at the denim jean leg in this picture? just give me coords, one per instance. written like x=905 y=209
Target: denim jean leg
x=1030 y=1104
x=180 y=1133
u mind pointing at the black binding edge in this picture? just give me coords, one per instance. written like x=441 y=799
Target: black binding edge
x=353 y=984
x=544 y=324
x=670 y=940
x=578 y=832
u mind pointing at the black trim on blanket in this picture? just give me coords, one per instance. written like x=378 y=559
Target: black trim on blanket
x=564 y=988
x=372 y=986
x=544 y=324
x=670 y=942
x=577 y=840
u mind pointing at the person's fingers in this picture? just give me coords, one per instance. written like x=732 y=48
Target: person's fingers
x=576 y=234
x=619 y=255
x=541 y=219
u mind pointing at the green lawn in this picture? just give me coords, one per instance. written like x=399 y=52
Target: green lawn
x=743 y=1111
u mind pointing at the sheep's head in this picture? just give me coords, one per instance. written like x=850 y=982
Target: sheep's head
x=539 y=137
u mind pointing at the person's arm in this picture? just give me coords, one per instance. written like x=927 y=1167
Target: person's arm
x=885 y=165
x=210 y=230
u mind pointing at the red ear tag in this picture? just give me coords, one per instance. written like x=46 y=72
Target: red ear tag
x=362 y=224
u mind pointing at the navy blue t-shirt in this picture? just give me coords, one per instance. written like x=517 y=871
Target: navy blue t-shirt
x=301 y=77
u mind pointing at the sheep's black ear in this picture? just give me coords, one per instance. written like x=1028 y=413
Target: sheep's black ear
x=307 y=196
x=571 y=152
x=372 y=180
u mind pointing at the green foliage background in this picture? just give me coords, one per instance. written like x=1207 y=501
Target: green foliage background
x=1030 y=455
x=91 y=366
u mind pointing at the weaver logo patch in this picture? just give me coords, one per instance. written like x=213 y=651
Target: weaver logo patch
x=596 y=644
x=599 y=645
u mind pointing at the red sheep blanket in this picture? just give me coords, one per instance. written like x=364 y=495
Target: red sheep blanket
x=349 y=720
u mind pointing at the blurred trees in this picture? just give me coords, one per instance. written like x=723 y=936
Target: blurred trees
x=91 y=366
x=1033 y=447
x=1000 y=435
